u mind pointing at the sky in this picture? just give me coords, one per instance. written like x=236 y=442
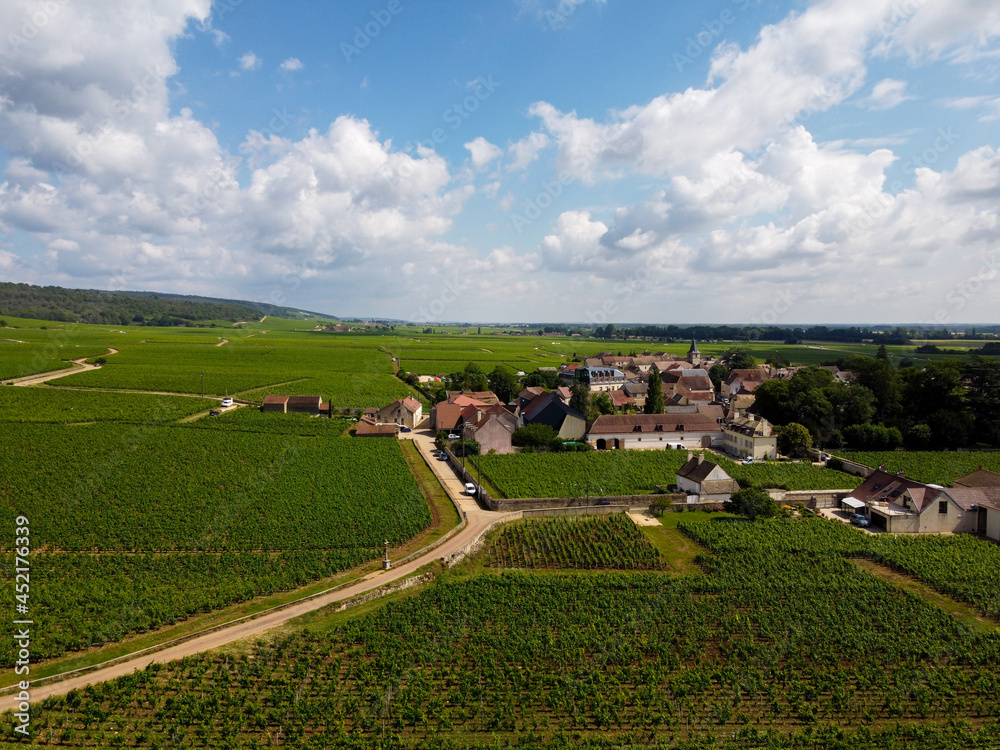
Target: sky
x=595 y=161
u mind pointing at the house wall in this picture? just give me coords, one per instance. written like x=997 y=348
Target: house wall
x=759 y=447
x=493 y=436
x=660 y=440
x=280 y=408
x=573 y=428
x=956 y=520
x=993 y=523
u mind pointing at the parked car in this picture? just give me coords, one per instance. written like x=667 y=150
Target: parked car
x=214 y=413
x=453 y=436
x=470 y=488
x=227 y=401
x=405 y=429
x=859 y=519
x=747 y=460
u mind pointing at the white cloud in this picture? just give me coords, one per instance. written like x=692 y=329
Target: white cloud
x=483 y=152
x=804 y=64
x=250 y=61
x=962 y=30
x=525 y=151
x=887 y=93
x=291 y=64
x=989 y=104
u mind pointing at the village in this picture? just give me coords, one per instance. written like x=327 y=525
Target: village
x=693 y=416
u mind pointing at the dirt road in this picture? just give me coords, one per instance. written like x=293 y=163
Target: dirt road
x=478 y=522
x=45 y=377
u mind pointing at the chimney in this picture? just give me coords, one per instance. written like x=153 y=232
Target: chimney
x=701 y=457
x=690 y=455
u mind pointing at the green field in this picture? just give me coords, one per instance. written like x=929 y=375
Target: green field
x=781 y=643
x=637 y=472
x=58 y=405
x=582 y=542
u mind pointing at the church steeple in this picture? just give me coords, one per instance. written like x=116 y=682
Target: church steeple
x=694 y=356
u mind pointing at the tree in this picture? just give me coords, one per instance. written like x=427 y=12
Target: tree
x=504 y=383
x=718 y=374
x=539 y=379
x=739 y=358
x=535 y=436
x=654 y=395
x=751 y=503
x=580 y=400
x=603 y=403
x=794 y=439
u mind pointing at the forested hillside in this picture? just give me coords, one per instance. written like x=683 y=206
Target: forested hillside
x=127 y=308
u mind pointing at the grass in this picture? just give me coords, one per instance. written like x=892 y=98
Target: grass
x=677 y=549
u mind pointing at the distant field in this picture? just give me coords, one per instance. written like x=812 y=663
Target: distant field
x=637 y=472
x=932 y=467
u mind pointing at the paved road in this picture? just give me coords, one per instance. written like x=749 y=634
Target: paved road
x=479 y=521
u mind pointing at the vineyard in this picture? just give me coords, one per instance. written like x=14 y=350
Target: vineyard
x=931 y=467
x=282 y=499
x=54 y=405
x=782 y=643
x=611 y=542
x=638 y=472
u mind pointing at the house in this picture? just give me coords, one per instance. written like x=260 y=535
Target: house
x=704 y=480
x=467 y=397
x=406 y=412
x=749 y=435
x=527 y=395
x=744 y=381
x=368 y=427
x=621 y=400
x=549 y=409
x=685 y=386
x=492 y=428
x=654 y=431
x=900 y=505
x=636 y=390
x=988 y=485
x=600 y=378
x=445 y=416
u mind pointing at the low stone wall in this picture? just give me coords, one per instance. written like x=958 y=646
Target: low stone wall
x=853 y=467
x=812 y=499
x=619 y=502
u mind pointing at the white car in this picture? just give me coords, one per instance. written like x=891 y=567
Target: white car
x=453 y=436
x=227 y=401
x=747 y=460
x=470 y=488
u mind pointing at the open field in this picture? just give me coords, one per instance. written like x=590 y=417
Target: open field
x=724 y=659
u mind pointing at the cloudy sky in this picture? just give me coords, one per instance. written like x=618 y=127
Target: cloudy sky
x=511 y=160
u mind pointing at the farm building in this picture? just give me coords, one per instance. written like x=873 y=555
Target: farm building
x=295 y=404
x=654 y=431
x=704 y=480
x=367 y=427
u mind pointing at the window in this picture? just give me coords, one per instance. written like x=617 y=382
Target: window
x=943 y=507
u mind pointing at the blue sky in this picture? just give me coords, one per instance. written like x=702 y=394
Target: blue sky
x=584 y=160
